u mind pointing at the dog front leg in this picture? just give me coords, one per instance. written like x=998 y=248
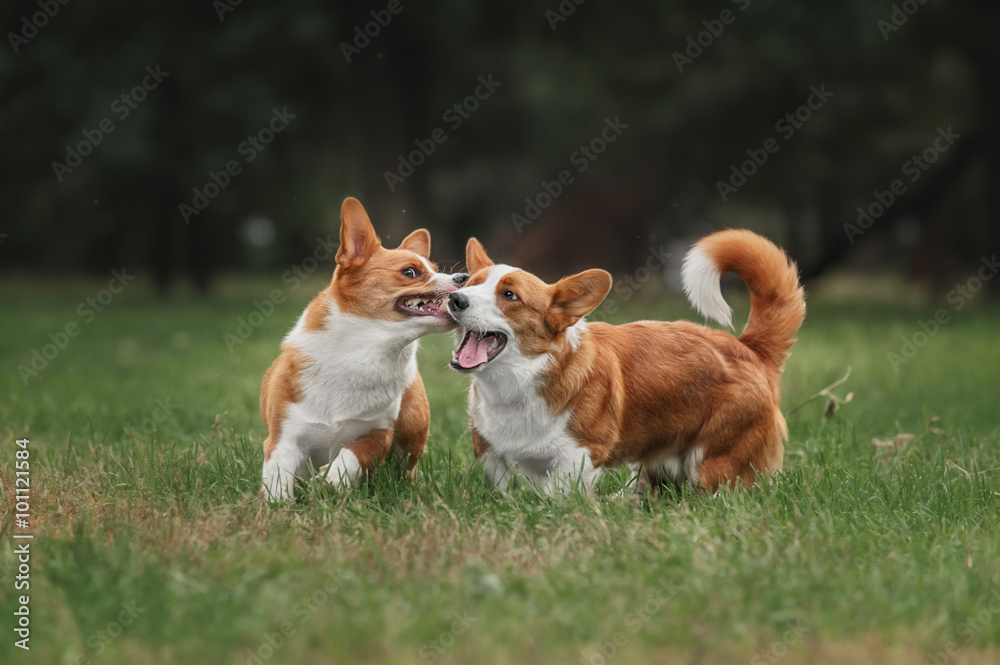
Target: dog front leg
x=572 y=469
x=284 y=463
x=495 y=467
x=412 y=426
x=357 y=459
x=497 y=471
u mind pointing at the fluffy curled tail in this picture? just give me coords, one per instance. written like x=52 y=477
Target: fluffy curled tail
x=777 y=302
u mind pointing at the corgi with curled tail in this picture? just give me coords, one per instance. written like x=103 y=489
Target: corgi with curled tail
x=561 y=399
x=346 y=385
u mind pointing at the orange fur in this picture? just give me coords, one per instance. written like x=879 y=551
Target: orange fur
x=316 y=312
x=777 y=302
x=279 y=389
x=645 y=391
x=367 y=282
x=479 y=445
x=413 y=425
x=372 y=448
x=370 y=288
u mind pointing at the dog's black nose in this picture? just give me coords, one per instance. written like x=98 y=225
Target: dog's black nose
x=457 y=301
x=460 y=278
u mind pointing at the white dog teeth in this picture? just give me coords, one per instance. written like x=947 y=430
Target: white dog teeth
x=431 y=306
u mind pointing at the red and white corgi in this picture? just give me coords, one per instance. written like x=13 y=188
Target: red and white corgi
x=346 y=383
x=562 y=399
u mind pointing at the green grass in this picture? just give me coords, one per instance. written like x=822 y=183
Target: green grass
x=854 y=554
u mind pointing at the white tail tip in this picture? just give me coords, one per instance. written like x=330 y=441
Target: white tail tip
x=700 y=278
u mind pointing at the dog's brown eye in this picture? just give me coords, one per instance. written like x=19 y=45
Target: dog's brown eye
x=410 y=272
x=510 y=295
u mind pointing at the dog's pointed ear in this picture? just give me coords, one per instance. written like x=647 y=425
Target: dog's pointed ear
x=357 y=236
x=418 y=242
x=475 y=257
x=575 y=297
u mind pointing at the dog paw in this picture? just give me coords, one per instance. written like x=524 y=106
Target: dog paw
x=343 y=471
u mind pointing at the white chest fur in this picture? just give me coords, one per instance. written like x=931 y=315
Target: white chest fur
x=352 y=381
x=521 y=430
x=357 y=371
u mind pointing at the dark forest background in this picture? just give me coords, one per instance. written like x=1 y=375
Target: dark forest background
x=900 y=74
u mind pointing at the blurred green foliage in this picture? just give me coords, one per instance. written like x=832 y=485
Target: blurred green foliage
x=693 y=113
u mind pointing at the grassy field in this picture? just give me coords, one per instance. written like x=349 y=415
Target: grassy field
x=150 y=546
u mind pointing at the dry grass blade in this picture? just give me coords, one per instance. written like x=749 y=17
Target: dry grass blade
x=831 y=407
x=951 y=465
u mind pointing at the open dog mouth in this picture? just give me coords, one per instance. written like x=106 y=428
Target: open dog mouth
x=426 y=304
x=478 y=348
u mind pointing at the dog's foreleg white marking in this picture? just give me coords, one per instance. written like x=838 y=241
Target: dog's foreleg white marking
x=497 y=471
x=700 y=279
x=287 y=461
x=691 y=464
x=682 y=468
x=636 y=478
x=673 y=467
x=343 y=471
x=572 y=468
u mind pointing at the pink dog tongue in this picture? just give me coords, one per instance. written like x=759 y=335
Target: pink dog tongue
x=473 y=350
